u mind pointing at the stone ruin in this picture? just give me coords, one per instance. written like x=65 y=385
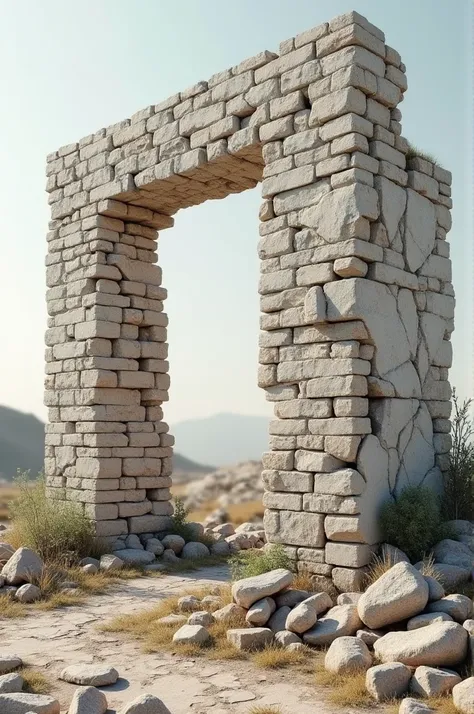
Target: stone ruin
x=356 y=297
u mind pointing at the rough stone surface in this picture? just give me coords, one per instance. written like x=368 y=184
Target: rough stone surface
x=8 y=663
x=23 y=566
x=191 y=635
x=145 y=704
x=247 y=591
x=260 y=612
x=255 y=638
x=11 y=683
x=414 y=706
x=346 y=655
x=339 y=621
x=24 y=703
x=398 y=594
x=388 y=681
x=463 y=696
x=433 y=682
x=88 y=700
x=442 y=644
x=92 y=675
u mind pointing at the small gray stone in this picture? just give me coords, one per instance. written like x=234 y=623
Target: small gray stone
x=191 y=634
x=23 y=702
x=194 y=550
x=90 y=561
x=436 y=590
x=155 y=546
x=201 y=617
x=370 y=637
x=174 y=542
x=260 y=612
x=348 y=598
x=88 y=700
x=6 y=552
x=213 y=602
x=172 y=620
x=463 y=696
x=248 y=590
x=220 y=548
x=277 y=622
x=433 y=682
x=169 y=556
x=9 y=662
x=459 y=607
x=347 y=655
x=28 y=593
x=427 y=618
x=11 y=683
x=301 y=618
x=135 y=556
x=111 y=562
x=145 y=704
x=284 y=638
x=189 y=603
x=387 y=681
x=414 y=706
x=90 y=569
x=94 y=675
x=230 y=613
x=291 y=597
x=23 y=566
x=252 y=638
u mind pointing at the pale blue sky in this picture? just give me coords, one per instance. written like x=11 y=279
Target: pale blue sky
x=71 y=67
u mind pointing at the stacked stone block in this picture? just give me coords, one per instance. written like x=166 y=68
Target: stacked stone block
x=356 y=300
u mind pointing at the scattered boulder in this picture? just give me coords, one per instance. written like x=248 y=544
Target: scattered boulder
x=339 y=621
x=220 y=548
x=174 y=543
x=397 y=595
x=301 y=618
x=88 y=700
x=28 y=593
x=169 y=556
x=459 y=607
x=135 y=556
x=90 y=568
x=155 y=546
x=463 y=696
x=347 y=655
x=224 y=529
x=277 y=622
x=172 y=620
x=321 y=602
x=145 y=704
x=11 y=683
x=348 y=598
x=433 y=682
x=191 y=635
x=414 y=706
x=393 y=555
x=92 y=675
x=452 y=552
x=252 y=638
x=436 y=590
x=189 y=603
x=247 y=591
x=25 y=703
x=370 y=637
x=213 y=602
x=260 y=612
x=6 y=552
x=290 y=597
x=202 y=617
x=442 y=644
x=9 y=662
x=388 y=681
x=285 y=638
x=23 y=566
x=452 y=576
x=195 y=549
x=133 y=542
x=89 y=561
x=427 y=618
x=229 y=613
x=111 y=562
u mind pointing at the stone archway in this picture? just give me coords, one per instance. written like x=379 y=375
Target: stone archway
x=356 y=299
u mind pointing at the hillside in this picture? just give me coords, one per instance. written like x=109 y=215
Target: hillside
x=222 y=438
x=22 y=446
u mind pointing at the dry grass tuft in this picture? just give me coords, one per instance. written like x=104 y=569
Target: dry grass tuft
x=303 y=581
x=10 y=608
x=265 y=709
x=442 y=705
x=273 y=657
x=35 y=681
x=428 y=567
x=378 y=567
x=346 y=689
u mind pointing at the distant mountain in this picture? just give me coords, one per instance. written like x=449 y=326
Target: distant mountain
x=22 y=446
x=222 y=439
x=21 y=443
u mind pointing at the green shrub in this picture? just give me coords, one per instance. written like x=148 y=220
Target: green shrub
x=57 y=530
x=458 y=502
x=413 y=522
x=248 y=563
x=183 y=528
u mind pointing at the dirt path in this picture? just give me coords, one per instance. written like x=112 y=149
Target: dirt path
x=52 y=640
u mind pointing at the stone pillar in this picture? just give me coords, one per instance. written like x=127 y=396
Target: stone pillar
x=356 y=299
